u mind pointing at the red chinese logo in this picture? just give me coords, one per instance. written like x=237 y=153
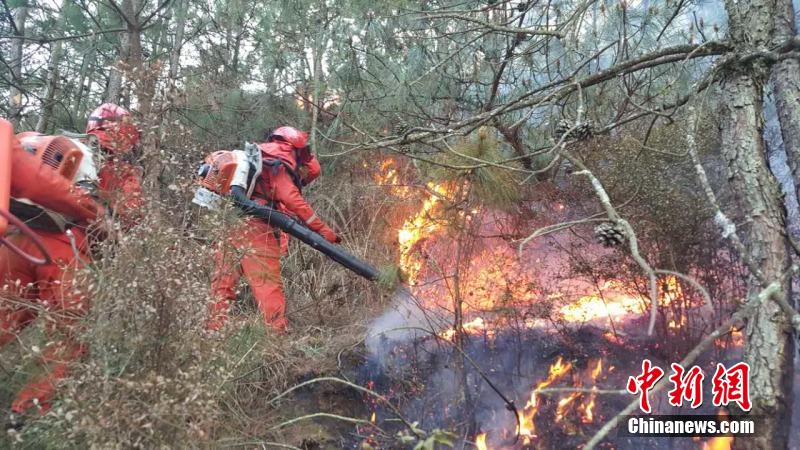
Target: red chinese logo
x=643 y=383
x=729 y=385
x=732 y=385
x=688 y=386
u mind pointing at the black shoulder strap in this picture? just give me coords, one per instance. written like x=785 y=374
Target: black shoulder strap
x=276 y=163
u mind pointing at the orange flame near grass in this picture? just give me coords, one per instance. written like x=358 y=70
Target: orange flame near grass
x=415 y=229
x=564 y=405
x=526 y=427
x=480 y=442
x=612 y=300
x=588 y=408
x=573 y=401
x=474 y=326
x=389 y=175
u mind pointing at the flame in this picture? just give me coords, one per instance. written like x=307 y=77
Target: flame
x=526 y=427
x=721 y=442
x=417 y=228
x=373 y=417
x=735 y=340
x=588 y=411
x=598 y=369
x=590 y=307
x=669 y=290
x=573 y=401
x=473 y=326
x=389 y=175
x=677 y=325
x=564 y=404
x=613 y=301
x=480 y=442
x=588 y=408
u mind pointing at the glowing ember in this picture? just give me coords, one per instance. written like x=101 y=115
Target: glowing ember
x=722 y=442
x=677 y=325
x=734 y=340
x=612 y=337
x=480 y=442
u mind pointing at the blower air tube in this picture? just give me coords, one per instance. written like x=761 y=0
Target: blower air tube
x=294 y=228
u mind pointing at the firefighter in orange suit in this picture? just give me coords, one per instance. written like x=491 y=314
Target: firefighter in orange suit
x=120 y=180
x=288 y=165
x=118 y=187
x=29 y=287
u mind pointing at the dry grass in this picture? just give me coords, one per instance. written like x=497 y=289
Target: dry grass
x=155 y=378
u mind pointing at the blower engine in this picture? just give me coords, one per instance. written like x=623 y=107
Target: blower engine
x=224 y=169
x=7 y=216
x=68 y=157
x=234 y=174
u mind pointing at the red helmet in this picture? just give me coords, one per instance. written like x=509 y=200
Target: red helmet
x=113 y=126
x=293 y=136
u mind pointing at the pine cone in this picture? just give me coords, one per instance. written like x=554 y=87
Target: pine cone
x=401 y=129
x=609 y=234
x=582 y=131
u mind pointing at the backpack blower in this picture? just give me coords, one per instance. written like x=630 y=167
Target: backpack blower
x=6 y=217
x=234 y=174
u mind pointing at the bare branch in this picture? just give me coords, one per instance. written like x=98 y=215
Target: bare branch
x=498 y=28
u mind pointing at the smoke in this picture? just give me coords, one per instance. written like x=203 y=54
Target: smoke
x=405 y=321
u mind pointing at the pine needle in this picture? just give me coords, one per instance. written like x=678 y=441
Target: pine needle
x=390 y=277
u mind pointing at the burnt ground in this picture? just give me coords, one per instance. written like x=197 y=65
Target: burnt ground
x=424 y=378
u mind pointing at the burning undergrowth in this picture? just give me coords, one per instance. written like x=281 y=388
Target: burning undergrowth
x=563 y=385
x=514 y=346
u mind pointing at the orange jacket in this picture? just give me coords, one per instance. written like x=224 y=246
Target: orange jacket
x=39 y=183
x=121 y=188
x=310 y=171
x=276 y=184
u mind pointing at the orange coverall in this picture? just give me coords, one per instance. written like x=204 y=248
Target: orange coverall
x=33 y=288
x=254 y=249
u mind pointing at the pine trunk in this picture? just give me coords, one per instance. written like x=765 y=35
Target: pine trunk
x=769 y=348
x=786 y=87
x=52 y=74
x=15 y=61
